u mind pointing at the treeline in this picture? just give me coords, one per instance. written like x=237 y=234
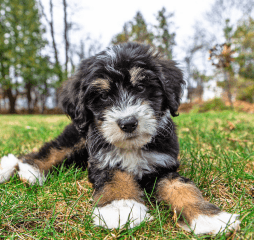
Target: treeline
x=30 y=67
x=32 y=70
x=23 y=67
x=231 y=54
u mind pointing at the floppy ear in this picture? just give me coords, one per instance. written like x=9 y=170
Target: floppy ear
x=172 y=82
x=68 y=96
x=73 y=98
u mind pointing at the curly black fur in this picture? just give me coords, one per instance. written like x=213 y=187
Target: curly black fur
x=121 y=103
x=77 y=92
x=158 y=85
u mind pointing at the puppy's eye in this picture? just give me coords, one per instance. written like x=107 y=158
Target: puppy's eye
x=158 y=93
x=141 y=88
x=104 y=96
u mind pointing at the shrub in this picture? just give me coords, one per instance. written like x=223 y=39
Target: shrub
x=215 y=104
x=246 y=94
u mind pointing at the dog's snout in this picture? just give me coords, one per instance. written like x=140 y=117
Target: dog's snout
x=128 y=124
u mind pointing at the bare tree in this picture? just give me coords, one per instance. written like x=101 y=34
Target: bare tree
x=81 y=51
x=221 y=15
x=221 y=57
x=66 y=37
x=87 y=48
x=200 y=42
x=57 y=64
x=62 y=68
x=52 y=31
x=223 y=10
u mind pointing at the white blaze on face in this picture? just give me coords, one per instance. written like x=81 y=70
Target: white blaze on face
x=146 y=128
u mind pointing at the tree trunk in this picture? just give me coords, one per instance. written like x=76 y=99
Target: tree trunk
x=29 y=97
x=58 y=68
x=43 y=101
x=44 y=97
x=228 y=88
x=66 y=40
x=35 y=101
x=57 y=64
x=12 y=100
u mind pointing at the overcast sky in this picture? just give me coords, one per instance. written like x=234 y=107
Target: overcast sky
x=103 y=19
x=107 y=17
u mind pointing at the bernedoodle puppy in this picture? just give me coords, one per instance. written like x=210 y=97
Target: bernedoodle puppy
x=121 y=102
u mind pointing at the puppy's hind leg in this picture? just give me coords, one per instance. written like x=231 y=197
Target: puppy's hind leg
x=202 y=217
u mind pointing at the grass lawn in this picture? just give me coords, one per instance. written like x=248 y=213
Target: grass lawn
x=217 y=153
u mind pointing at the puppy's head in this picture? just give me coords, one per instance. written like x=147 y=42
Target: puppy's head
x=124 y=91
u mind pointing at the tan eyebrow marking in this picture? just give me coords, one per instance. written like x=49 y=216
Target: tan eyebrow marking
x=102 y=84
x=135 y=78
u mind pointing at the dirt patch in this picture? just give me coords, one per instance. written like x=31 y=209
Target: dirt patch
x=242 y=106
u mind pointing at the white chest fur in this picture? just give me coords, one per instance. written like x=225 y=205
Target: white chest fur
x=136 y=161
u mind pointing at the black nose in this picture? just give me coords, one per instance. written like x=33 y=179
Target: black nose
x=128 y=124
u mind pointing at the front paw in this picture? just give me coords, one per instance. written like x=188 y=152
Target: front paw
x=213 y=224
x=30 y=174
x=8 y=166
x=119 y=212
x=27 y=173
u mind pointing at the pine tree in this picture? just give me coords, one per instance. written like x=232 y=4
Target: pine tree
x=136 y=30
x=20 y=46
x=221 y=57
x=164 y=38
x=243 y=38
x=158 y=36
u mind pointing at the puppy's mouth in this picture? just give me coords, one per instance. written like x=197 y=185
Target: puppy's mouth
x=133 y=140
x=130 y=128
x=131 y=136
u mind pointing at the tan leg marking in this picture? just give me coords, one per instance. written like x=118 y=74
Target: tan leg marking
x=122 y=186
x=54 y=157
x=80 y=145
x=202 y=217
x=34 y=168
x=184 y=198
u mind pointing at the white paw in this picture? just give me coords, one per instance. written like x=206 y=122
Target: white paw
x=30 y=174
x=8 y=166
x=119 y=212
x=221 y=222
